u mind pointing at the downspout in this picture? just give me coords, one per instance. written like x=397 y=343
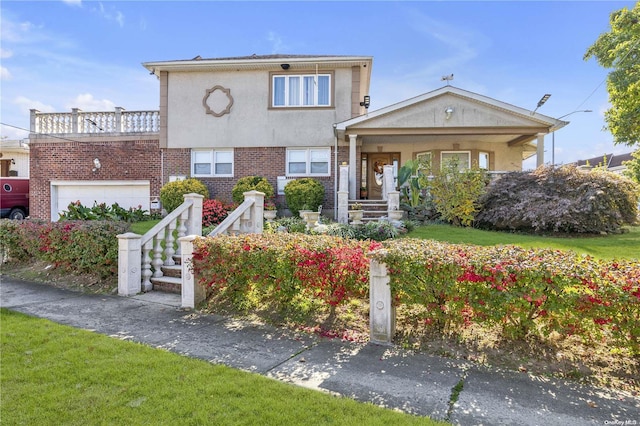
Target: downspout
x=335 y=171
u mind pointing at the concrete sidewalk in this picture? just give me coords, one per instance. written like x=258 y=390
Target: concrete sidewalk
x=415 y=383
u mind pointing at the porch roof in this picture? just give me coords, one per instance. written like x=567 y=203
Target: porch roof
x=452 y=113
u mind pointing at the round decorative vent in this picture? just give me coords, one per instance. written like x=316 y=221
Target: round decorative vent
x=217 y=101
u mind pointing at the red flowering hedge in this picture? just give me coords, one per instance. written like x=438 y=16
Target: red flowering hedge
x=76 y=246
x=214 y=212
x=280 y=268
x=525 y=291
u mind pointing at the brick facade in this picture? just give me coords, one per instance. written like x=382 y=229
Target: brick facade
x=61 y=160
x=143 y=160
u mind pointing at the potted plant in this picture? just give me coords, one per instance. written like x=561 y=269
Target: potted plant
x=356 y=213
x=364 y=193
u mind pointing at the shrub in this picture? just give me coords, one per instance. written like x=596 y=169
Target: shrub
x=304 y=194
x=76 y=211
x=172 y=194
x=214 y=212
x=290 y=224
x=456 y=193
x=75 y=246
x=563 y=199
x=251 y=183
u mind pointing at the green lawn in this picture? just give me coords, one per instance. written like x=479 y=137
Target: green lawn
x=625 y=245
x=142 y=227
x=52 y=374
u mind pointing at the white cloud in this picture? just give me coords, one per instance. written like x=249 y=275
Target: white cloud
x=86 y=102
x=111 y=14
x=277 y=46
x=26 y=104
x=73 y=2
x=5 y=74
x=5 y=53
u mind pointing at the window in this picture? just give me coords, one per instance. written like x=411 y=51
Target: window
x=301 y=90
x=462 y=157
x=483 y=160
x=212 y=163
x=311 y=162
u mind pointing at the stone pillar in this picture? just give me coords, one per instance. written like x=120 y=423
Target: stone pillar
x=388 y=183
x=255 y=224
x=118 y=120
x=194 y=221
x=33 y=128
x=381 y=311
x=540 y=150
x=74 y=120
x=353 y=183
x=343 y=195
x=129 y=264
x=192 y=292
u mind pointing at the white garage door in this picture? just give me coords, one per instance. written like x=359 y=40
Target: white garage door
x=124 y=192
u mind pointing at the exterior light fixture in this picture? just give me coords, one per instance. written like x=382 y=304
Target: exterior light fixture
x=448 y=111
x=366 y=102
x=284 y=66
x=541 y=102
x=96 y=164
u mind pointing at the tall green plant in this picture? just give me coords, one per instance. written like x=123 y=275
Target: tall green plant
x=456 y=192
x=412 y=179
x=251 y=183
x=172 y=194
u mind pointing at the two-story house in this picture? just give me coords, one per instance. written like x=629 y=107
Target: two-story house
x=278 y=116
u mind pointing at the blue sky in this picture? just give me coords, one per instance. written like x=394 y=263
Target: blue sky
x=56 y=55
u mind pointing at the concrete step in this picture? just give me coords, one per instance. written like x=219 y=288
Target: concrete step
x=172 y=271
x=167 y=284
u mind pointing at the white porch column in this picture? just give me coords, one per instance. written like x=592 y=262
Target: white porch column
x=354 y=166
x=343 y=195
x=129 y=264
x=388 y=183
x=540 y=150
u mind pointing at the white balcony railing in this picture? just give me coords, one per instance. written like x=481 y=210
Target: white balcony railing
x=80 y=122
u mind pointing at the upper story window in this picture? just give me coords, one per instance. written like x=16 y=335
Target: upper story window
x=212 y=163
x=308 y=162
x=313 y=90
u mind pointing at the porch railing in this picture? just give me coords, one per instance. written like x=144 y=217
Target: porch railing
x=247 y=218
x=79 y=122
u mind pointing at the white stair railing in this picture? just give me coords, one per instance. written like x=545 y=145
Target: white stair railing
x=141 y=257
x=248 y=218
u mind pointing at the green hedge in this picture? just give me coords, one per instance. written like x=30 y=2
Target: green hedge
x=76 y=246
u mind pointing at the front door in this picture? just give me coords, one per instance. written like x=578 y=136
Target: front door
x=375 y=162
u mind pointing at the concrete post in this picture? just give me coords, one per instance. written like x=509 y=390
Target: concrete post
x=129 y=264
x=388 y=183
x=33 y=128
x=118 y=120
x=540 y=150
x=194 y=221
x=381 y=311
x=74 y=120
x=256 y=212
x=192 y=292
x=354 y=166
x=343 y=194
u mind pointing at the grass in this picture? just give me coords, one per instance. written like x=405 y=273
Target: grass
x=52 y=374
x=625 y=245
x=142 y=227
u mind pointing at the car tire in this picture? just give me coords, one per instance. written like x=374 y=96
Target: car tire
x=17 y=214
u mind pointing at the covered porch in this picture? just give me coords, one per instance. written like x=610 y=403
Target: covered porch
x=440 y=125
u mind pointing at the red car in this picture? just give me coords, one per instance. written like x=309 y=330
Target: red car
x=14 y=198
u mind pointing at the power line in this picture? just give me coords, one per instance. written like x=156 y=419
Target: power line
x=38 y=133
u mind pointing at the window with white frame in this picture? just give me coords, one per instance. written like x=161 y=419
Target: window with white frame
x=462 y=157
x=308 y=162
x=483 y=160
x=212 y=163
x=301 y=90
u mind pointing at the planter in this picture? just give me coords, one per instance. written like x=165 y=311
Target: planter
x=356 y=216
x=395 y=214
x=303 y=213
x=269 y=215
x=312 y=219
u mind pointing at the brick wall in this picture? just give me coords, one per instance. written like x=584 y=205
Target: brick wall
x=144 y=160
x=60 y=160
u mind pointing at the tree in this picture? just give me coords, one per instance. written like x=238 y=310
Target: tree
x=619 y=49
x=633 y=167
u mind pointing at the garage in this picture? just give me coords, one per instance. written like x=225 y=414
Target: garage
x=127 y=193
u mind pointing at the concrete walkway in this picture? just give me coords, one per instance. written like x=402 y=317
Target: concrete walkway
x=415 y=383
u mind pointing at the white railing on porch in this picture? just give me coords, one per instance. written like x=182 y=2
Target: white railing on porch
x=248 y=217
x=80 y=122
x=141 y=257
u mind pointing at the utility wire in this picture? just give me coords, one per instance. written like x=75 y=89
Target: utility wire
x=38 y=133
